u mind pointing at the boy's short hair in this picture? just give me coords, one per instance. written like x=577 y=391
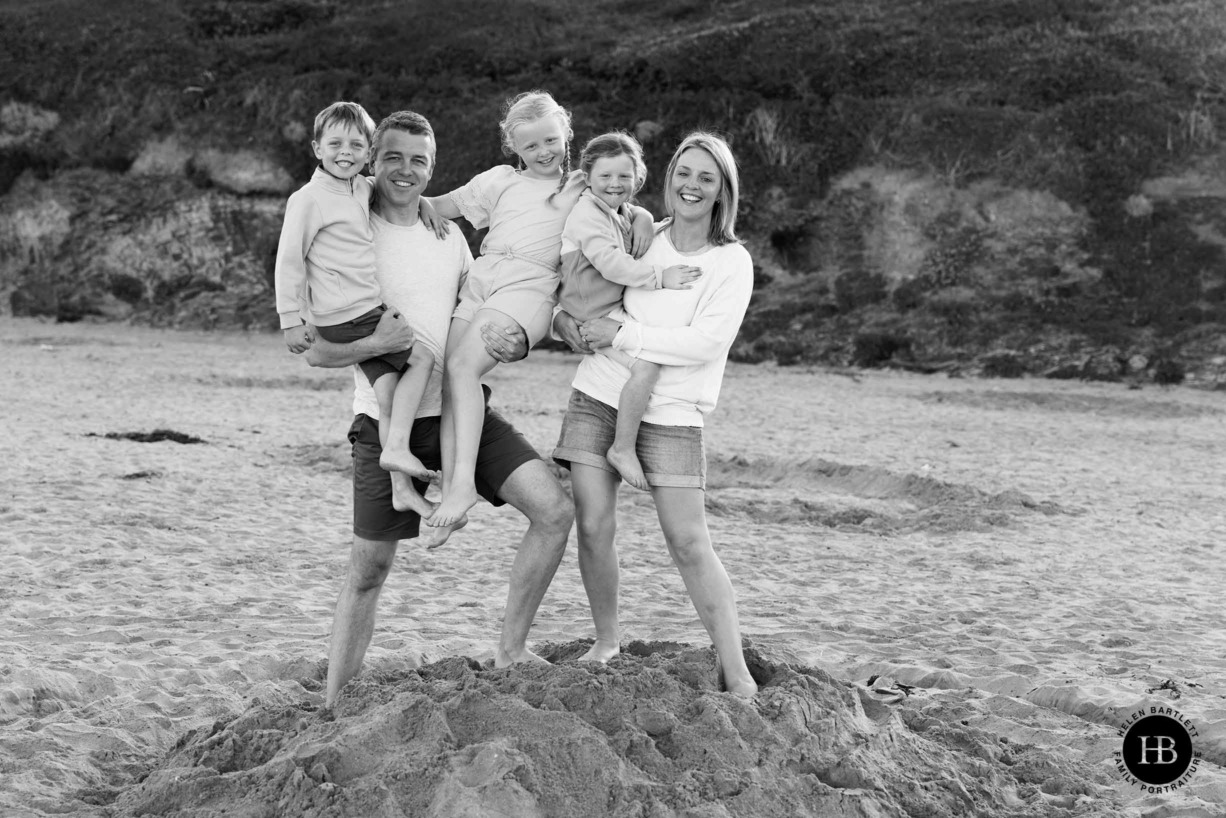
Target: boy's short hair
x=408 y=121
x=345 y=113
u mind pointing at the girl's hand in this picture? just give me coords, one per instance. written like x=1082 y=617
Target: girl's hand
x=300 y=338
x=565 y=325
x=642 y=232
x=431 y=219
x=679 y=276
x=599 y=332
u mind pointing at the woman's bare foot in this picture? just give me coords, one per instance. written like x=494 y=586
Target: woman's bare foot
x=745 y=687
x=601 y=652
x=626 y=462
x=455 y=506
x=504 y=658
x=432 y=536
x=401 y=460
x=406 y=498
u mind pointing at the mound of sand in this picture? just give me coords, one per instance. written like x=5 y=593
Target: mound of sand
x=647 y=735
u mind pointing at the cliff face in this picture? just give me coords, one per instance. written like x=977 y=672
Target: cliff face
x=182 y=246
x=996 y=188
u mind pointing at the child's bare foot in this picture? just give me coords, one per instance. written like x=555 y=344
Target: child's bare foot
x=432 y=536
x=400 y=460
x=454 y=506
x=504 y=658
x=601 y=652
x=406 y=498
x=627 y=464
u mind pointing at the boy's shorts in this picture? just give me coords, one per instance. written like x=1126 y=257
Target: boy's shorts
x=363 y=327
x=502 y=451
x=671 y=456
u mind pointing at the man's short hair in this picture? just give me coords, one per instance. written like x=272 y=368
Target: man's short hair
x=407 y=121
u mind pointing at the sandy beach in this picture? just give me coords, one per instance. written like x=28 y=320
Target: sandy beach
x=1037 y=559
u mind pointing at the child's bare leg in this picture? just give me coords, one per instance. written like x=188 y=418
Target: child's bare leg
x=385 y=392
x=467 y=361
x=432 y=536
x=630 y=408
x=396 y=456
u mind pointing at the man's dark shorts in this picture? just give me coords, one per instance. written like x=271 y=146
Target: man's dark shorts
x=503 y=450
x=362 y=327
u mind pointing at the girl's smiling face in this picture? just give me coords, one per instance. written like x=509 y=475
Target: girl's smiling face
x=541 y=145
x=342 y=150
x=612 y=179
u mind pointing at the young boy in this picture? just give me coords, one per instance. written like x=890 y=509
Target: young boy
x=326 y=264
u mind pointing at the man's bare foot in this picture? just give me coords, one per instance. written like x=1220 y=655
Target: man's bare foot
x=406 y=498
x=627 y=465
x=454 y=506
x=601 y=652
x=432 y=536
x=400 y=460
x=504 y=658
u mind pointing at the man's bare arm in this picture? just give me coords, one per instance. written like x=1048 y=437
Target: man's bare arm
x=391 y=335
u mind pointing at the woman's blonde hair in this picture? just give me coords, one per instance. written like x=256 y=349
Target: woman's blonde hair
x=723 y=216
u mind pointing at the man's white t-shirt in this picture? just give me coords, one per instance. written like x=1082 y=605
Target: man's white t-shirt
x=420 y=276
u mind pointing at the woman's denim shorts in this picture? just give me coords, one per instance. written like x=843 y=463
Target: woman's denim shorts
x=671 y=456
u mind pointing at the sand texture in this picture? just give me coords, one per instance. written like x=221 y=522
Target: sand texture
x=953 y=592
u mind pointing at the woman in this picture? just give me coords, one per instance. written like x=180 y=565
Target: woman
x=689 y=332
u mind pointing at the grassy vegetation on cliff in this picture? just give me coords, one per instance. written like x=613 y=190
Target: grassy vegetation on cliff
x=1084 y=101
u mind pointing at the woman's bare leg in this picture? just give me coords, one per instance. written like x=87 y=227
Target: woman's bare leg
x=683 y=519
x=595 y=493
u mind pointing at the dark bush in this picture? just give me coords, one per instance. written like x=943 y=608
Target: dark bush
x=872 y=349
x=853 y=290
x=244 y=18
x=127 y=288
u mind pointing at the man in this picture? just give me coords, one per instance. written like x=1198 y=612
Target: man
x=423 y=274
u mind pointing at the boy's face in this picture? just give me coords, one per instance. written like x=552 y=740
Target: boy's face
x=342 y=149
x=403 y=167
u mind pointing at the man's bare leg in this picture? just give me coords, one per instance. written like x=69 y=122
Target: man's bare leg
x=534 y=491
x=354 y=620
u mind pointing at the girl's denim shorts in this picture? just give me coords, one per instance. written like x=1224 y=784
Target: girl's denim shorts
x=671 y=456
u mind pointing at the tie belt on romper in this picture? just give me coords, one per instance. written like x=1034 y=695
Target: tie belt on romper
x=506 y=252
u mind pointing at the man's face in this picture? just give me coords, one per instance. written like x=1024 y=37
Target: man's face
x=403 y=166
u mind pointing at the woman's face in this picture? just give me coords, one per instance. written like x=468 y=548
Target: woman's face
x=695 y=185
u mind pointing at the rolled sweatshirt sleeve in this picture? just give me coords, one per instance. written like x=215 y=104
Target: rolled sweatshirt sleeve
x=710 y=334
x=599 y=241
x=302 y=221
